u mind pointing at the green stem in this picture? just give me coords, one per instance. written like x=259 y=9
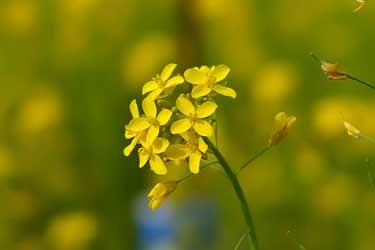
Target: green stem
x=256 y=156
x=361 y=82
x=370 y=174
x=300 y=246
x=243 y=237
x=316 y=58
x=238 y=190
x=367 y=138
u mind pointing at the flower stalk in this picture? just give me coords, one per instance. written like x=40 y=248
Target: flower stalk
x=238 y=190
x=370 y=174
x=254 y=157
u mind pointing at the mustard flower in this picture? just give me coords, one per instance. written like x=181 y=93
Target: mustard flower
x=160 y=193
x=352 y=131
x=194 y=117
x=136 y=135
x=163 y=81
x=151 y=121
x=207 y=79
x=150 y=153
x=281 y=127
x=361 y=4
x=194 y=148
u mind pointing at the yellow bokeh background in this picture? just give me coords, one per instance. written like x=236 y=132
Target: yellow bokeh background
x=69 y=69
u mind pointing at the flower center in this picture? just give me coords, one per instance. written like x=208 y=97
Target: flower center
x=154 y=122
x=159 y=81
x=193 y=118
x=211 y=80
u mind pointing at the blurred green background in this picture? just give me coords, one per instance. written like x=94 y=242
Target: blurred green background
x=69 y=68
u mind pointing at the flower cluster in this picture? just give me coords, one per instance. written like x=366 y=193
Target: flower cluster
x=177 y=112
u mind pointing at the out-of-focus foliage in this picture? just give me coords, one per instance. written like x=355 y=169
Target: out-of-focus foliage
x=69 y=68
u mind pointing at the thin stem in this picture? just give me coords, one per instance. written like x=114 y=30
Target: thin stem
x=316 y=58
x=370 y=174
x=216 y=140
x=201 y=168
x=254 y=157
x=300 y=246
x=243 y=237
x=238 y=190
x=367 y=138
x=361 y=82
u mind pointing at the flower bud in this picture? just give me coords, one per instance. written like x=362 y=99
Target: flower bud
x=281 y=127
x=160 y=192
x=351 y=130
x=333 y=71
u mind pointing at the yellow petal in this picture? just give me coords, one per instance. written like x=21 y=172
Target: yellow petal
x=194 y=161
x=129 y=133
x=149 y=86
x=155 y=94
x=225 y=91
x=149 y=107
x=291 y=121
x=281 y=127
x=195 y=76
x=280 y=121
x=181 y=126
x=134 y=109
x=203 y=127
x=157 y=191
x=206 y=109
x=167 y=71
x=157 y=165
x=185 y=106
x=202 y=146
x=164 y=116
x=138 y=124
x=154 y=204
x=351 y=130
x=200 y=90
x=174 y=81
x=362 y=3
x=144 y=156
x=129 y=149
x=152 y=133
x=220 y=72
x=189 y=136
x=160 y=145
x=205 y=69
x=177 y=152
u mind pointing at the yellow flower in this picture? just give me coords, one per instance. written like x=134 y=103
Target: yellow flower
x=206 y=80
x=150 y=153
x=361 y=4
x=351 y=130
x=194 y=148
x=281 y=127
x=163 y=81
x=160 y=193
x=194 y=117
x=136 y=135
x=150 y=122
